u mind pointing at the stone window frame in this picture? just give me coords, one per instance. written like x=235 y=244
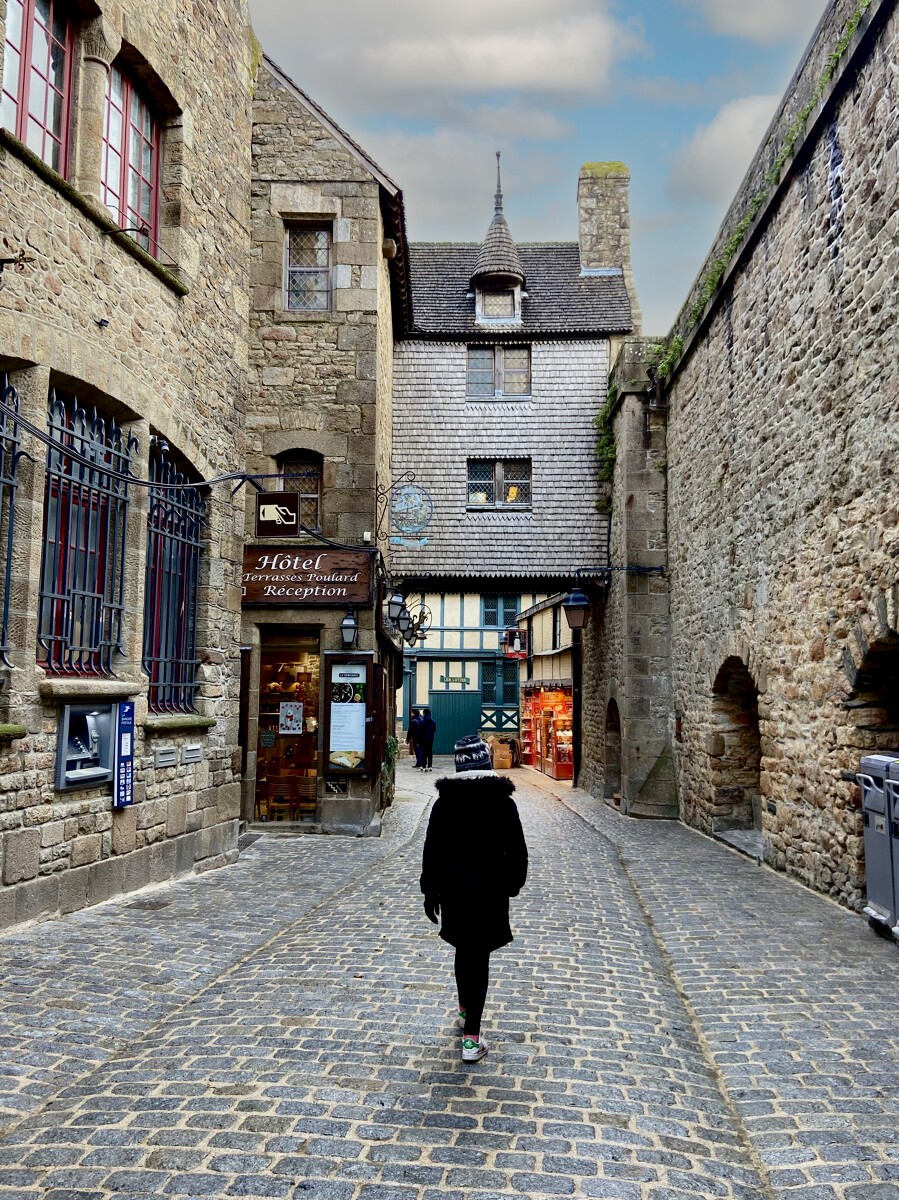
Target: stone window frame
x=499 y=351
x=304 y=458
x=312 y=226
x=497 y=484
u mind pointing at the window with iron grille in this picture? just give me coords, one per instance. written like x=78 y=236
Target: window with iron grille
x=9 y=470
x=499 y=483
x=174 y=550
x=499 y=611
x=303 y=473
x=499 y=371
x=37 y=78
x=81 y=595
x=499 y=683
x=129 y=166
x=308 y=269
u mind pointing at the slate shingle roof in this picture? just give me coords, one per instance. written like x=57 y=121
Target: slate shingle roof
x=498 y=255
x=560 y=299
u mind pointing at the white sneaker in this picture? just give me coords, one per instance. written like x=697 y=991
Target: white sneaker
x=473 y=1051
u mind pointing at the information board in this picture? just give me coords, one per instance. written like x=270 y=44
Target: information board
x=348 y=716
x=123 y=773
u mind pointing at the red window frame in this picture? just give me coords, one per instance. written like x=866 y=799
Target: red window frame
x=44 y=27
x=123 y=159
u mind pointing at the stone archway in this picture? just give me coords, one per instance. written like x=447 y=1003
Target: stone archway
x=874 y=701
x=612 y=752
x=735 y=749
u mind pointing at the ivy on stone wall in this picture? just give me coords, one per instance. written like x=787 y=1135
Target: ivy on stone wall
x=717 y=269
x=605 y=437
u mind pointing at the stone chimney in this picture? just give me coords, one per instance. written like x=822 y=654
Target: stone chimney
x=604 y=224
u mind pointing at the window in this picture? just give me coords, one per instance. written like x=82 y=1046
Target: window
x=499 y=370
x=303 y=473
x=498 y=304
x=81 y=596
x=129 y=165
x=37 y=78
x=308 y=273
x=500 y=611
x=174 y=548
x=499 y=483
x=499 y=683
x=557 y=627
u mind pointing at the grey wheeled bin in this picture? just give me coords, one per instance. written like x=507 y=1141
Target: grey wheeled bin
x=892 y=791
x=881 y=907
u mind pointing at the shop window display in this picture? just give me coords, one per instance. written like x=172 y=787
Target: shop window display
x=287 y=763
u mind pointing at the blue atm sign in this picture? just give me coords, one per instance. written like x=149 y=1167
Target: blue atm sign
x=123 y=778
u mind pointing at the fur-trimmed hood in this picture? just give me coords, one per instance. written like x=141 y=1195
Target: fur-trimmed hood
x=471 y=786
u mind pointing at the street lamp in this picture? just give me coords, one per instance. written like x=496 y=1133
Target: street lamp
x=395 y=605
x=576 y=607
x=404 y=620
x=349 y=627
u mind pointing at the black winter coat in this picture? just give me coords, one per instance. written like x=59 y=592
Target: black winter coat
x=475 y=858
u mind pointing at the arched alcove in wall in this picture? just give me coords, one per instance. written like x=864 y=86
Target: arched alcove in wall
x=735 y=748
x=874 y=703
x=613 y=751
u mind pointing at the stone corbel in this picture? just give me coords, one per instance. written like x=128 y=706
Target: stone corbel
x=100 y=43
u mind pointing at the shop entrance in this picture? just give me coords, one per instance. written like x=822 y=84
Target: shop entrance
x=287 y=765
x=546 y=726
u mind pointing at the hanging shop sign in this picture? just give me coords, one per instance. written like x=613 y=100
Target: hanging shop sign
x=349 y=718
x=306 y=575
x=278 y=514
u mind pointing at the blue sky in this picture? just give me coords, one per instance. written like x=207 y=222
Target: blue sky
x=680 y=90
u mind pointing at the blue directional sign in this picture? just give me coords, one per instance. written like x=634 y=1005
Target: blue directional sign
x=123 y=777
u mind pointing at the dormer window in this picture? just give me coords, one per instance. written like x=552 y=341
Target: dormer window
x=498 y=305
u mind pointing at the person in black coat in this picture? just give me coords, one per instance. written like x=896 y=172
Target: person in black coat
x=412 y=736
x=427 y=731
x=475 y=858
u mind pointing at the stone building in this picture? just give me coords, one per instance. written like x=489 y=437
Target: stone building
x=779 y=457
x=123 y=351
x=496 y=386
x=329 y=281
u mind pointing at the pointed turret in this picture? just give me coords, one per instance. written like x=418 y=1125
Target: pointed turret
x=498 y=262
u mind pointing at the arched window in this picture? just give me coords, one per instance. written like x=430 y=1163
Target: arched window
x=129 y=166
x=37 y=78
x=301 y=471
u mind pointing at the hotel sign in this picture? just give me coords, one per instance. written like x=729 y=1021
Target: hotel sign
x=306 y=575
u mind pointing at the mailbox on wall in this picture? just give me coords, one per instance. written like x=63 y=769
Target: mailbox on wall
x=86 y=745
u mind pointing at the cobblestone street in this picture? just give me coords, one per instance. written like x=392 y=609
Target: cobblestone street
x=671 y=1021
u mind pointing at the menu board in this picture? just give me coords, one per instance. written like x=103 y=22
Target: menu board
x=348 y=706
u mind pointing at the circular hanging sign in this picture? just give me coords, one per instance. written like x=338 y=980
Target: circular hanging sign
x=411 y=508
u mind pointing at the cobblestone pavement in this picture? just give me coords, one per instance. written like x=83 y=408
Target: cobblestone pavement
x=671 y=1021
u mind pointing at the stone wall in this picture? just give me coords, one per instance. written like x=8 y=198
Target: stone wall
x=171 y=361
x=782 y=467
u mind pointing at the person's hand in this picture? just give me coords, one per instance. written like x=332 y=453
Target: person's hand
x=432 y=908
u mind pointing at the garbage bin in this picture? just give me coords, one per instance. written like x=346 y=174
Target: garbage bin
x=881 y=907
x=892 y=791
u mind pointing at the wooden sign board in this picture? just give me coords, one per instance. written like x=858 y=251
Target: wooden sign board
x=278 y=514
x=306 y=576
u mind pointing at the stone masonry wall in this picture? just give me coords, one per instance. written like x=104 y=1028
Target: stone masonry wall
x=172 y=361
x=782 y=461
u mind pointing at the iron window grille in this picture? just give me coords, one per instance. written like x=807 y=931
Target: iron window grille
x=308 y=269
x=174 y=550
x=9 y=469
x=499 y=371
x=81 y=597
x=499 y=483
x=37 y=78
x=129 y=173
x=304 y=475
x=499 y=683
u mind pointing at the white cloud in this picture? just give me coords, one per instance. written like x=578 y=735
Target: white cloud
x=410 y=52
x=713 y=162
x=766 y=21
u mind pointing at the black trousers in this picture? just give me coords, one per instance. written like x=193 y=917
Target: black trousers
x=427 y=754
x=472 y=978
